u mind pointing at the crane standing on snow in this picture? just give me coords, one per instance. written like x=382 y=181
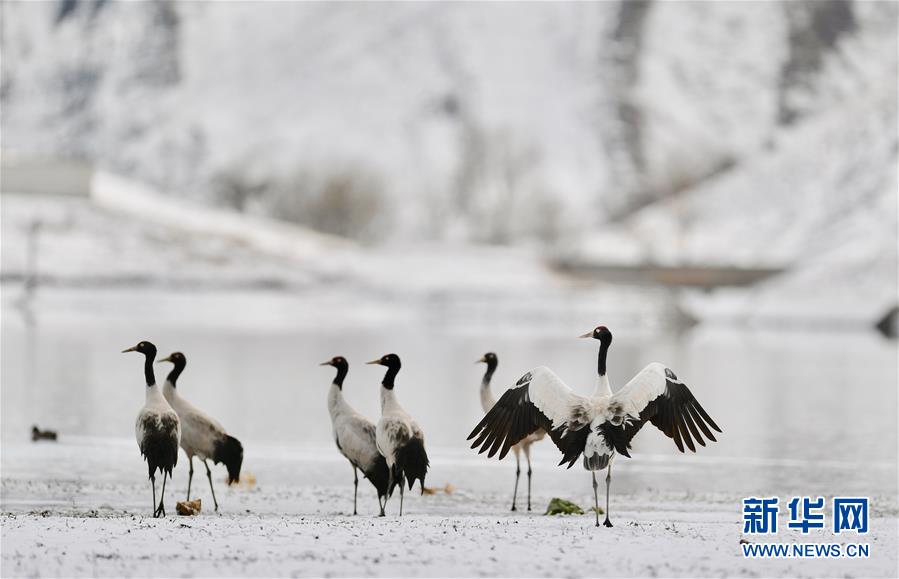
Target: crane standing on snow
x=202 y=435
x=157 y=428
x=487 y=402
x=355 y=437
x=598 y=426
x=400 y=439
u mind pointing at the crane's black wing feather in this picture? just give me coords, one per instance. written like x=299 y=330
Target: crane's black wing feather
x=515 y=416
x=669 y=406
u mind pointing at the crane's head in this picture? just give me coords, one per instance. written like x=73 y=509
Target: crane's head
x=176 y=358
x=489 y=358
x=392 y=361
x=337 y=361
x=144 y=347
x=600 y=333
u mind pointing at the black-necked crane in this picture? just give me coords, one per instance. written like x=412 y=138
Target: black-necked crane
x=201 y=435
x=399 y=438
x=487 y=402
x=597 y=426
x=355 y=435
x=157 y=428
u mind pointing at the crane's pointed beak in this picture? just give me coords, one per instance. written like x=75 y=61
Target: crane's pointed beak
x=481 y=361
x=328 y=363
x=587 y=335
x=131 y=349
x=378 y=361
x=166 y=359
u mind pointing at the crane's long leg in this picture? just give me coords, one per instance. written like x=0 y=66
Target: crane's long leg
x=607 y=523
x=161 y=508
x=355 y=487
x=595 y=497
x=190 y=475
x=402 y=488
x=382 y=502
x=209 y=476
x=527 y=455
x=153 y=482
x=517 y=476
x=389 y=489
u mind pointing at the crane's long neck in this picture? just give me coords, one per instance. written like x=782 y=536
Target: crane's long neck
x=341 y=374
x=601 y=361
x=388 y=400
x=487 y=399
x=603 y=388
x=336 y=403
x=149 y=375
x=389 y=377
x=172 y=378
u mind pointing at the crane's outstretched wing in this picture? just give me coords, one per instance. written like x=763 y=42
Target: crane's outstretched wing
x=539 y=400
x=657 y=396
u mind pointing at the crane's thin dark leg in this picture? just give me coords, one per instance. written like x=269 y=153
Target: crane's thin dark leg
x=517 y=476
x=389 y=490
x=607 y=523
x=209 y=476
x=355 y=488
x=595 y=497
x=153 y=482
x=402 y=476
x=161 y=509
x=382 y=502
x=527 y=455
x=190 y=475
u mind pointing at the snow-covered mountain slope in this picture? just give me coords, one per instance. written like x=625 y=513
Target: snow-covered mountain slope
x=828 y=218
x=448 y=121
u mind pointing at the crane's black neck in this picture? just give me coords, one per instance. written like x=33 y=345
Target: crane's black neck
x=150 y=376
x=387 y=382
x=342 y=370
x=603 y=352
x=176 y=371
x=488 y=375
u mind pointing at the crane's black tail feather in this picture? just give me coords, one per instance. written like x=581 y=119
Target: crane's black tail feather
x=161 y=452
x=411 y=463
x=379 y=476
x=229 y=451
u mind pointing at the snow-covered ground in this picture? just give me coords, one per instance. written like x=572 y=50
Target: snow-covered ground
x=781 y=398
x=295 y=522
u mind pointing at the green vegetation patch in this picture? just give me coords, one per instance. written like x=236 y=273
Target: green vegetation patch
x=559 y=506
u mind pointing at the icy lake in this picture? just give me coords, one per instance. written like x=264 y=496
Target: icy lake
x=791 y=403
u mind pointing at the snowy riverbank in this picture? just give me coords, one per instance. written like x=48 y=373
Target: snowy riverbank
x=294 y=521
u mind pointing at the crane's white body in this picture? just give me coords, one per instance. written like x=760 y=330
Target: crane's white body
x=395 y=428
x=151 y=420
x=199 y=431
x=569 y=410
x=354 y=434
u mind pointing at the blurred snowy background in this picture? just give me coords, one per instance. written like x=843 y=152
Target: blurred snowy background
x=265 y=185
x=755 y=135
